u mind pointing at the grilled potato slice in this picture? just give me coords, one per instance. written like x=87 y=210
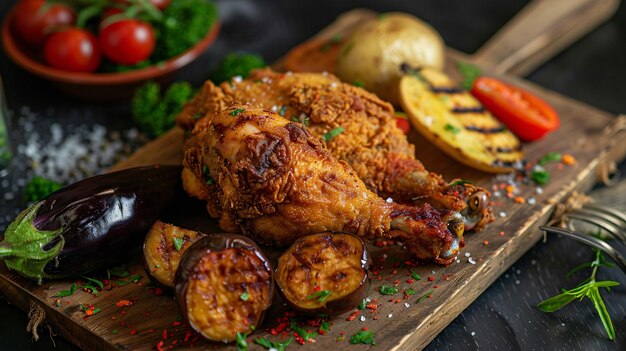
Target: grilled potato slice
x=453 y=120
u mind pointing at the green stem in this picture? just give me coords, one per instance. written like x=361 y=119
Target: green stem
x=596 y=264
x=5 y=250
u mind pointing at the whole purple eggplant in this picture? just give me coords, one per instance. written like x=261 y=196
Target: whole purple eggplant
x=90 y=224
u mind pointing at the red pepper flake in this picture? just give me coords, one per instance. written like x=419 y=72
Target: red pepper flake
x=501 y=233
x=159 y=346
x=379 y=243
x=317 y=288
x=410 y=281
x=375 y=318
x=164 y=335
x=435 y=286
x=486 y=242
x=398 y=300
x=176 y=324
x=133 y=332
x=431 y=278
x=353 y=316
x=187 y=336
x=519 y=200
x=371 y=306
x=123 y=303
x=364 y=329
x=150 y=331
x=156 y=291
x=568 y=160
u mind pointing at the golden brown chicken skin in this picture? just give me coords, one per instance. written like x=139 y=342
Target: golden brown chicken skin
x=359 y=129
x=273 y=180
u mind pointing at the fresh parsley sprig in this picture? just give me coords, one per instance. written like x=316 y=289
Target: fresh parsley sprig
x=588 y=288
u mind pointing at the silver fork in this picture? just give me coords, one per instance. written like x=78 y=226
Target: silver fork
x=611 y=220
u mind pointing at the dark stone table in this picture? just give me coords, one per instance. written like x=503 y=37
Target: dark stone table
x=502 y=318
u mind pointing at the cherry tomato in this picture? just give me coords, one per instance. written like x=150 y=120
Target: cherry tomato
x=160 y=4
x=72 y=49
x=32 y=25
x=402 y=122
x=525 y=114
x=127 y=41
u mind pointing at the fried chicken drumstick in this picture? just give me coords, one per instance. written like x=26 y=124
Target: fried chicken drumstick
x=363 y=130
x=273 y=180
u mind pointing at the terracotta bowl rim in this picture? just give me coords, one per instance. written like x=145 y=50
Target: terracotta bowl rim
x=17 y=55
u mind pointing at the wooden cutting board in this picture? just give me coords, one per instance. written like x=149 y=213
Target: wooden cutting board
x=593 y=137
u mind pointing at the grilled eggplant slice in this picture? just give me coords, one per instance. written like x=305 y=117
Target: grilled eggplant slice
x=162 y=250
x=453 y=120
x=324 y=273
x=224 y=284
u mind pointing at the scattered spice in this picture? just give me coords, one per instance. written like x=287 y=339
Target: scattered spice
x=90 y=309
x=568 y=160
x=123 y=303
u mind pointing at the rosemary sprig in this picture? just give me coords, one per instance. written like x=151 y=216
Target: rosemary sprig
x=589 y=288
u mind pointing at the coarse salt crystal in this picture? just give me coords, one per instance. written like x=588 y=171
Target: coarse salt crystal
x=502 y=214
x=406 y=304
x=517 y=282
x=237 y=79
x=539 y=190
x=362 y=318
x=389 y=200
x=531 y=201
x=467 y=254
x=473 y=333
x=390 y=315
x=471 y=260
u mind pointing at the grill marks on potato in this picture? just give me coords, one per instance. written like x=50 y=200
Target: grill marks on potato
x=214 y=293
x=457 y=123
x=319 y=270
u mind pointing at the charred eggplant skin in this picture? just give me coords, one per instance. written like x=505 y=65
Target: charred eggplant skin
x=332 y=305
x=213 y=243
x=90 y=224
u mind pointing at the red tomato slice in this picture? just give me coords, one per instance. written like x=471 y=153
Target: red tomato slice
x=402 y=122
x=525 y=114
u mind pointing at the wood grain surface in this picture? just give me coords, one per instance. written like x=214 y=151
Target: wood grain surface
x=593 y=137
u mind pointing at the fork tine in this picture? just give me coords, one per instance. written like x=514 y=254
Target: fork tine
x=591 y=241
x=619 y=216
x=609 y=227
x=595 y=214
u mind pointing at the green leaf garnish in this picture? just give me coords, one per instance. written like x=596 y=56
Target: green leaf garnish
x=410 y=291
x=415 y=275
x=363 y=337
x=541 y=177
x=425 y=296
x=321 y=295
x=178 y=243
x=280 y=346
x=361 y=306
x=134 y=278
x=236 y=111
x=64 y=293
x=325 y=326
x=460 y=182
x=452 y=129
x=333 y=133
x=550 y=157
x=469 y=73
x=388 y=290
x=242 y=344
x=244 y=296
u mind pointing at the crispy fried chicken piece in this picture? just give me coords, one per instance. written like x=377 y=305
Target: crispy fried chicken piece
x=369 y=139
x=271 y=179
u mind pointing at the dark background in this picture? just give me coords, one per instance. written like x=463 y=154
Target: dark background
x=505 y=316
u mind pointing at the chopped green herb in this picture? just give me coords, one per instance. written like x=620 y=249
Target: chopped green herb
x=134 y=278
x=242 y=344
x=415 y=275
x=95 y=281
x=460 y=182
x=237 y=111
x=358 y=83
x=361 y=306
x=550 y=157
x=280 y=346
x=303 y=333
x=115 y=331
x=325 y=326
x=410 y=291
x=388 y=290
x=469 y=73
x=303 y=119
x=207 y=175
x=178 y=243
x=117 y=271
x=64 y=293
x=333 y=133
x=121 y=282
x=425 y=296
x=363 y=337
x=244 y=296
x=541 y=177
x=452 y=129
x=321 y=295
